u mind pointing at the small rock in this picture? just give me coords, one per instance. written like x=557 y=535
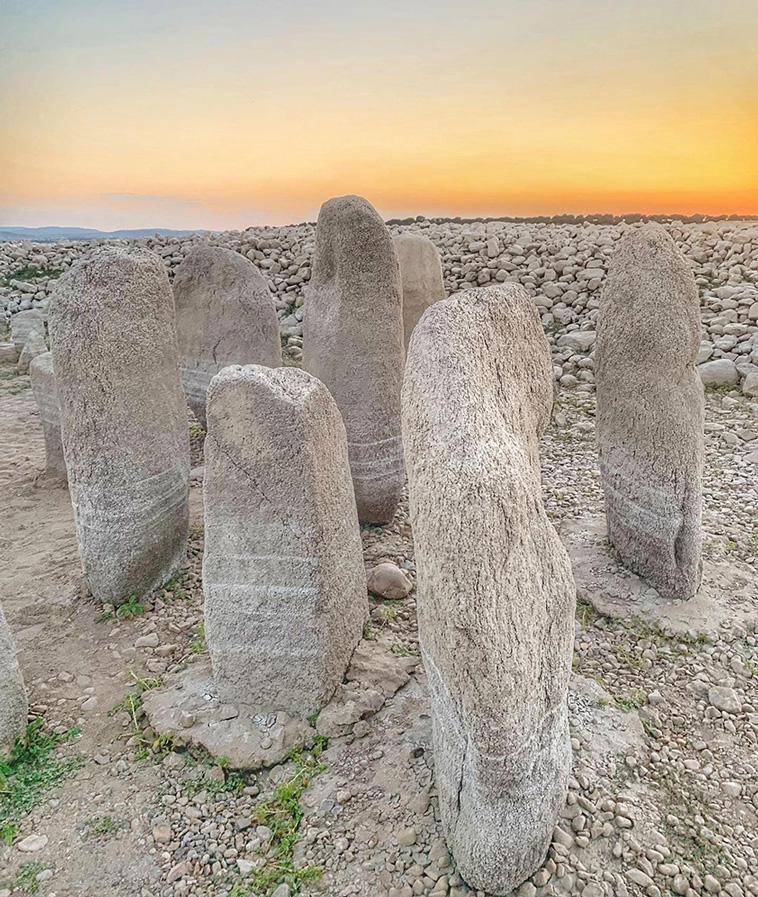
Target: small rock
x=388 y=581
x=32 y=843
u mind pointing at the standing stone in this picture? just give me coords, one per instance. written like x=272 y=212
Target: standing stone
x=46 y=396
x=33 y=348
x=353 y=343
x=23 y=323
x=650 y=411
x=496 y=595
x=283 y=574
x=123 y=419
x=421 y=276
x=224 y=315
x=13 y=702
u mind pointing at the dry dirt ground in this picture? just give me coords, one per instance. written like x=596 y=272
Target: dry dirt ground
x=664 y=797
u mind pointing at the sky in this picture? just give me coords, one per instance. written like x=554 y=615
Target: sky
x=224 y=114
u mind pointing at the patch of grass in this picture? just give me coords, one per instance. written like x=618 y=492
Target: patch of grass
x=196 y=429
x=368 y=631
x=642 y=629
x=101 y=827
x=130 y=609
x=585 y=611
x=630 y=702
x=175 y=585
x=103 y=616
x=399 y=650
x=282 y=813
x=197 y=642
x=26 y=877
x=132 y=704
x=29 y=273
x=30 y=771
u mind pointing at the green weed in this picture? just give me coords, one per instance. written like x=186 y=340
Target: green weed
x=26 y=877
x=131 y=608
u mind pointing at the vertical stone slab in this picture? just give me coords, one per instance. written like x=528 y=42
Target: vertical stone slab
x=123 y=419
x=496 y=596
x=650 y=411
x=353 y=343
x=283 y=574
x=225 y=314
x=421 y=276
x=45 y=392
x=23 y=324
x=14 y=706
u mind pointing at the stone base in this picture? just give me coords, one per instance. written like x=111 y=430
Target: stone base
x=187 y=710
x=728 y=594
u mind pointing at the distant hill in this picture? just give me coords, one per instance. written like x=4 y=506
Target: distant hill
x=46 y=234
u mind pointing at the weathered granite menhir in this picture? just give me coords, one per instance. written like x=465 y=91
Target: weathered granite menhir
x=495 y=591
x=123 y=419
x=45 y=392
x=353 y=343
x=650 y=411
x=224 y=315
x=421 y=276
x=14 y=706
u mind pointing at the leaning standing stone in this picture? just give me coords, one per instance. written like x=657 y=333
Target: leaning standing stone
x=46 y=396
x=283 y=574
x=123 y=419
x=353 y=343
x=13 y=703
x=224 y=315
x=650 y=411
x=421 y=275
x=495 y=588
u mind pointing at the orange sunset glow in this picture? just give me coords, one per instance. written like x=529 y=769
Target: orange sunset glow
x=218 y=115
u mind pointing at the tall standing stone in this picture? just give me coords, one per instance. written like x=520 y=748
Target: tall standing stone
x=14 y=706
x=650 y=411
x=421 y=275
x=46 y=396
x=495 y=589
x=224 y=315
x=23 y=324
x=283 y=574
x=353 y=343
x=123 y=419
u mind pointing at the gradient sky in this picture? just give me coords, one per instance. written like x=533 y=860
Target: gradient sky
x=223 y=113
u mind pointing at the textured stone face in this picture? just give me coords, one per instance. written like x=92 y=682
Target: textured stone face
x=22 y=325
x=46 y=396
x=34 y=347
x=285 y=585
x=13 y=703
x=495 y=591
x=353 y=343
x=224 y=315
x=650 y=411
x=421 y=275
x=123 y=419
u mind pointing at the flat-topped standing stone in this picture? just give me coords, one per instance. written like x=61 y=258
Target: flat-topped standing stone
x=22 y=325
x=34 y=346
x=224 y=315
x=495 y=590
x=650 y=411
x=46 y=396
x=353 y=343
x=283 y=574
x=123 y=419
x=13 y=702
x=421 y=275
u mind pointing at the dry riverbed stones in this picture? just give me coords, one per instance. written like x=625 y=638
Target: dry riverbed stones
x=123 y=420
x=285 y=585
x=224 y=315
x=650 y=412
x=354 y=344
x=495 y=589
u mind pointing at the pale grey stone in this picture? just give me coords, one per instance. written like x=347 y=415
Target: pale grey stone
x=495 y=589
x=719 y=372
x=46 y=396
x=353 y=343
x=34 y=346
x=225 y=315
x=123 y=419
x=24 y=323
x=283 y=574
x=650 y=411
x=421 y=277
x=13 y=702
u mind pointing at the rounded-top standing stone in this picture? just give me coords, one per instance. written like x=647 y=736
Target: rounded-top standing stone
x=224 y=315
x=123 y=419
x=353 y=343
x=495 y=591
x=14 y=706
x=283 y=573
x=650 y=411
x=421 y=275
